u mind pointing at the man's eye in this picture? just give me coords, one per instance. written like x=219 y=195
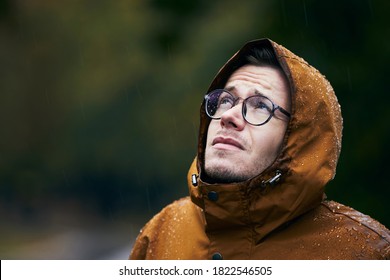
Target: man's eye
x=262 y=106
x=226 y=101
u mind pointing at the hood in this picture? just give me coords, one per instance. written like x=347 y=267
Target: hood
x=294 y=183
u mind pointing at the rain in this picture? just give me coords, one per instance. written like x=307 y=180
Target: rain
x=99 y=109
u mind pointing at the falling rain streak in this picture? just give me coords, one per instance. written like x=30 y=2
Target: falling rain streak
x=305 y=11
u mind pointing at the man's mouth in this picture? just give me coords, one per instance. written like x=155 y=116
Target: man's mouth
x=226 y=143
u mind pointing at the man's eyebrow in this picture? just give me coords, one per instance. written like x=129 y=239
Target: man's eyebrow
x=260 y=93
x=233 y=89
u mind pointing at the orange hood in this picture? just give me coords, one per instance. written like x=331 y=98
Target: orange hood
x=307 y=161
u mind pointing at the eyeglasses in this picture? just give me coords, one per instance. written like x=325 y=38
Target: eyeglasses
x=256 y=110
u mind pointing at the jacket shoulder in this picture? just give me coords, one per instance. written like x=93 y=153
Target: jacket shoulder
x=359 y=218
x=364 y=229
x=152 y=228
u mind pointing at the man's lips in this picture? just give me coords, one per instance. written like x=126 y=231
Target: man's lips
x=222 y=142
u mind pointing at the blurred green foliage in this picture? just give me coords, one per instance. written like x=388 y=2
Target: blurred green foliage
x=99 y=100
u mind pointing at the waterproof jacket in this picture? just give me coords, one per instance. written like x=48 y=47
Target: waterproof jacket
x=282 y=213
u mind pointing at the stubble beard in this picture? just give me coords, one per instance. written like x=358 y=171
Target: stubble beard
x=224 y=175
x=221 y=169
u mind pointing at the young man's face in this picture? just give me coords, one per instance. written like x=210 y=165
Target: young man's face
x=236 y=150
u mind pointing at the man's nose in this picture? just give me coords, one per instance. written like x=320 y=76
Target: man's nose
x=233 y=118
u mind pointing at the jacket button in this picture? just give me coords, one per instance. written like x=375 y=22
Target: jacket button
x=213 y=196
x=217 y=256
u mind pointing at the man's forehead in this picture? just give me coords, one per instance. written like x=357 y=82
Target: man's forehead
x=255 y=73
x=265 y=80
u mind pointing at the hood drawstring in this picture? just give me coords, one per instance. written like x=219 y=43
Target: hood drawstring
x=272 y=181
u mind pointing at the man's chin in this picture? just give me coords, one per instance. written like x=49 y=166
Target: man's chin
x=221 y=174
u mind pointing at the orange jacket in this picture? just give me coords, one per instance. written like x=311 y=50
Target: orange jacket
x=261 y=218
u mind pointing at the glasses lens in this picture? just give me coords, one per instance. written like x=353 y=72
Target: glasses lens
x=218 y=102
x=257 y=110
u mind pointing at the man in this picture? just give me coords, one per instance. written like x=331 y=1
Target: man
x=269 y=142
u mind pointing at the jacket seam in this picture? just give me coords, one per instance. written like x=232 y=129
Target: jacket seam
x=357 y=221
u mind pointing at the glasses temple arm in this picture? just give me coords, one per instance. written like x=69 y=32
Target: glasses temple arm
x=284 y=111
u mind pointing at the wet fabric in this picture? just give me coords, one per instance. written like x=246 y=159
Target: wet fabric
x=282 y=213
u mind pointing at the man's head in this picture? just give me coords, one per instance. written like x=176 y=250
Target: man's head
x=286 y=162
x=235 y=149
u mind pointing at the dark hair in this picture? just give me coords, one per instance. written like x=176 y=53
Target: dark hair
x=262 y=57
x=258 y=57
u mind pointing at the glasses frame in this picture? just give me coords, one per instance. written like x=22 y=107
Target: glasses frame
x=236 y=99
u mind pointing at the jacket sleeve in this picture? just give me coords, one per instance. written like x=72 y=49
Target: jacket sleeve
x=140 y=247
x=147 y=234
x=387 y=253
x=152 y=239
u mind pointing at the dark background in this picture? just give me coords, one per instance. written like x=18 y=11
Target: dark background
x=99 y=106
